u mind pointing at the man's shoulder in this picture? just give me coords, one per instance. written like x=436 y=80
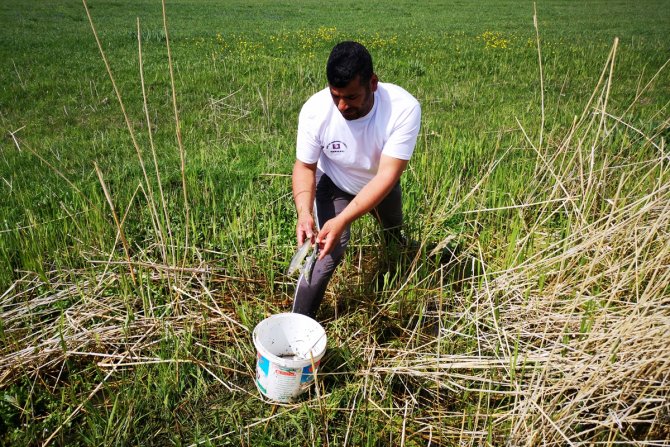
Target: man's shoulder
x=318 y=98
x=396 y=93
x=398 y=102
x=315 y=105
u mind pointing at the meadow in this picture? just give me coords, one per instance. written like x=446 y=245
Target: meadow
x=146 y=224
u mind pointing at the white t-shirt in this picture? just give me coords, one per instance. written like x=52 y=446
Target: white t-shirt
x=349 y=151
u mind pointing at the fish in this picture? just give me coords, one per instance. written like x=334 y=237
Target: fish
x=298 y=257
x=311 y=262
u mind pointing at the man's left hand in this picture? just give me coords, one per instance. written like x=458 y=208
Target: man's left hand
x=330 y=235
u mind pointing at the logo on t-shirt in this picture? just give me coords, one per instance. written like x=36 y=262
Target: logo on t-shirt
x=336 y=147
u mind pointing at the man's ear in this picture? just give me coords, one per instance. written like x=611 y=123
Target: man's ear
x=374 y=80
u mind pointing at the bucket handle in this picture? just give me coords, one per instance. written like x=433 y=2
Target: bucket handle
x=306 y=354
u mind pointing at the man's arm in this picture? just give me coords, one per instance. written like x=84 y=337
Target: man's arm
x=304 y=187
x=369 y=197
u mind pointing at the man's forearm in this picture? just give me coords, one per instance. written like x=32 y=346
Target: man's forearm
x=304 y=186
x=375 y=191
x=368 y=198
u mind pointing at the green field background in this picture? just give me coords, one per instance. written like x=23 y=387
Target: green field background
x=242 y=71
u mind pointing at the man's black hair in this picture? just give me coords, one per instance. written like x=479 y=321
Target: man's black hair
x=346 y=61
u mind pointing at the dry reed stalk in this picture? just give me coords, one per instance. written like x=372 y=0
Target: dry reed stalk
x=182 y=153
x=163 y=244
x=119 y=228
x=129 y=126
x=539 y=60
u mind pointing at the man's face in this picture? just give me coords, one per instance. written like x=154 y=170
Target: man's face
x=354 y=100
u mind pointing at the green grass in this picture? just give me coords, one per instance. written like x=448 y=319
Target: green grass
x=242 y=72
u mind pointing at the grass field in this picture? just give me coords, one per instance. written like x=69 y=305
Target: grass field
x=134 y=264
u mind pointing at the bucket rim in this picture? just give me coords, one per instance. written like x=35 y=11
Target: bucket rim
x=285 y=362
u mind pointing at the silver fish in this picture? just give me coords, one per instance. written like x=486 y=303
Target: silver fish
x=298 y=257
x=311 y=262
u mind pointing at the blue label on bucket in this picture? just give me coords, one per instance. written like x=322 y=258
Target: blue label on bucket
x=261 y=387
x=307 y=374
x=263 y=364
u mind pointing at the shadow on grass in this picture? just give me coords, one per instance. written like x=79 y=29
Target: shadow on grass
x=401 y=280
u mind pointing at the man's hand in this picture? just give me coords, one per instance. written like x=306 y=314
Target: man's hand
x=305 y=228
x=329 y=235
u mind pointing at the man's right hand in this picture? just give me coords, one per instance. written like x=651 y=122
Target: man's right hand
x=305 y=228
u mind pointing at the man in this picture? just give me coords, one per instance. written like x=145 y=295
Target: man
x=355 y=139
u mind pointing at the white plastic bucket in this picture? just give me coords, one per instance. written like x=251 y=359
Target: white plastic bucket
x=289 y=345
